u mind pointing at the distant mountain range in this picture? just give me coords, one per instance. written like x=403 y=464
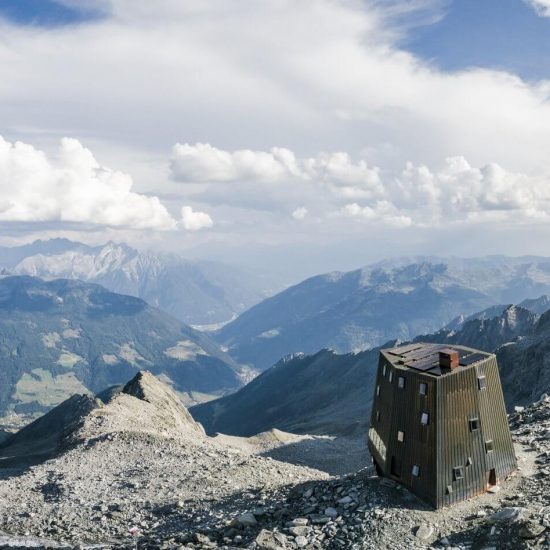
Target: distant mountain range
x=63 y=337
x=194 y=291
x=329 y=393
x=392 y=300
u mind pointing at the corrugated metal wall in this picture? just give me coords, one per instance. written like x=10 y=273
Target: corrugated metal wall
x=459 y=401
x=494 y=422
x=400 y=410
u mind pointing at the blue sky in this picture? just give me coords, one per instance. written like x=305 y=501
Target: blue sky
x=43 y=13
x=503 y=34
x=500 y=34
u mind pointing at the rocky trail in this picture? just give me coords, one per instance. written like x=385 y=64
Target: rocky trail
x=137 y=471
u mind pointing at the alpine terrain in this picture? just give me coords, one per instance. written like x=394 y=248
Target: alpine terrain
x=132 y=469
x=330 y=393
x=364 y=308
x=63 y=337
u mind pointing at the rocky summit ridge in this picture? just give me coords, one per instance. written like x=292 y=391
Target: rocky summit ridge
x=144 y=405
x=90 y=469
x=138 y=472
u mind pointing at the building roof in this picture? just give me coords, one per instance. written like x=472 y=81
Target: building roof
x=425 y=357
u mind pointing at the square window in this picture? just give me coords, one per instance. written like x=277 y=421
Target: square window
x=474 y=424
x=489 y=446
x=416 y=470
x=384 y=370
x=458 y=473
x=423 y=388
x=424 y=419
x=401 y=382
x=400 y=436
x=482 y=383
x=378 y=390
x=391 y=377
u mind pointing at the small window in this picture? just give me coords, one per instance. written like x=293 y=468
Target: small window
x=489 y=446
x=401 y=382
x=482 y=383
x=416 y=470
x=449 y=489
x=377 y=416
x=458 y=473
x=384 y=371
x=469 y=462
x=391 y=377
x=474 y=424
x=378 y=390
x=423 y=388
x=424 y=419
x=400 y=436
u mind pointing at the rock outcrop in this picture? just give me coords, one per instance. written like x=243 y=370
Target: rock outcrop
x=144 y=405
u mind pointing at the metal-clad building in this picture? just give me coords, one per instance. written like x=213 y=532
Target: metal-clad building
x=438 y=423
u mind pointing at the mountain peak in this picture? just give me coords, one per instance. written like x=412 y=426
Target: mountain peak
x=147 y=387
x=197 y=292
x=160 y=411
x=144 y=406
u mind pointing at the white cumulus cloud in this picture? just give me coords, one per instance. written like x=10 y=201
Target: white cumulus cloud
x=203 y=163
x=72 y=187
x=193 y=221
x=416 y=195
x=382 y=211
x=459 y=190
x=542 y=7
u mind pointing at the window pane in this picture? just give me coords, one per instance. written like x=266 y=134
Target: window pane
x=400 y=436
x=401 y=382
x=458 y=473
x=424 y=419
x=416 y=470
x=384 y=370
x=489 y=445
x=391 y=376
x=482 y=382
x=378 y=389
x=474 y=424
x=423 y=388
